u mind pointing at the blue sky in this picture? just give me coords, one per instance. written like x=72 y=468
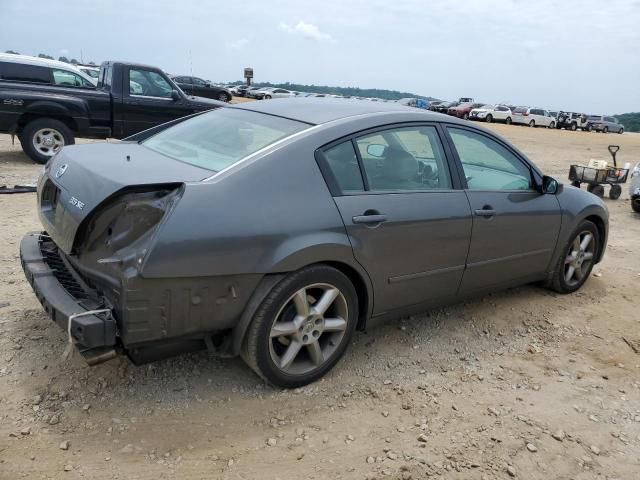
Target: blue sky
x=575 y=55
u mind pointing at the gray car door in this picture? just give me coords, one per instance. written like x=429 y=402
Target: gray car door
x=409 y=227
x=515 y=228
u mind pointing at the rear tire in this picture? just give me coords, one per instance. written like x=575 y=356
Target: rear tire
x=552 y=125
x=597 y=190
x=508 y=121
x=574 y=127
x=41 y=139
x=465 y=116
x=635 y=204
x=288 y=318
x=575 y=262
x=621 y=131
x=605 y=130
x=532 y=124
x=615 y=191
x=589 y=128
x=267 y=97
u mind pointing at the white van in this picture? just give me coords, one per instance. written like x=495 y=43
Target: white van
x=534 y=117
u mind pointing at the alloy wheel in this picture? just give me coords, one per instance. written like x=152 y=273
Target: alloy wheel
x=579 y=258
x=308 y=329
x=47 y=141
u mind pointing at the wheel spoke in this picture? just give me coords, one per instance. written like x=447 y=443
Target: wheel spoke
x=570 y=258
x=301 y=302
x=283 y=329
x=578 y=273
x=325 y=301
x=290 y=354
x=588 y=255
x=335 y=324
x=585 y=242
x=569 y=273
x=315 y=353
x=576 y=244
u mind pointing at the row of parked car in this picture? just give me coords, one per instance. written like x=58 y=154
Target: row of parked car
x=467 y=109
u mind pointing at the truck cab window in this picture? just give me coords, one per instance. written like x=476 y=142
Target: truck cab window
x=148 y=83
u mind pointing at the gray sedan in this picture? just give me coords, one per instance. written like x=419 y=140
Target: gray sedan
x=275 y=229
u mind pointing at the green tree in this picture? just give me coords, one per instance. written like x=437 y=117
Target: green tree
x=13 y=52
x=63 y=59
x=44 y=55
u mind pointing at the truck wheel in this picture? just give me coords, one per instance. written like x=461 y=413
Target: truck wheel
x=635 y=204
x=576 y=259
x=302 y=327
x=508 y=121
x=615 y=191
x=589 y=128
x=574 y=127
x=41 y=139
x=532 y=124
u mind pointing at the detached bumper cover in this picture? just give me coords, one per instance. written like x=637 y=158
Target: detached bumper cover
x=61 y=296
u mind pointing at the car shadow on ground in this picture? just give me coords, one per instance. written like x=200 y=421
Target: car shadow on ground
x=430 y=340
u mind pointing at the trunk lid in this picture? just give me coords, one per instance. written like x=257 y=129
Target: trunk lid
x=82 y=177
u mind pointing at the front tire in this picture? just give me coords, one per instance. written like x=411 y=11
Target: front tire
x=635 y=204
x=41 y=139
x=508 y=121
x=223 y=97
x=605 y=130
x=576 y=259
x=552 y=125
x=465 y=116
x=574 y=127
x=303 y=327
x=267 y=97
x=489 y=118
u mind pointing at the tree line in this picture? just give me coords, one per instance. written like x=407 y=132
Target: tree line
x=60 y=59
x=631 y=121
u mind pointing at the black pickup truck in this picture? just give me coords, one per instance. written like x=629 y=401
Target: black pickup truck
x=128 y=98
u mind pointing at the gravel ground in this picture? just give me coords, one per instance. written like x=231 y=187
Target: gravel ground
x=523 y=383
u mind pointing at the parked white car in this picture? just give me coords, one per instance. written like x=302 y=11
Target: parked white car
x=492 y=113
x=534 y=117
x=277 y=93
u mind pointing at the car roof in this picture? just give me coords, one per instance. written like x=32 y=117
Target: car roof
x=318 y=110
x=43 y=62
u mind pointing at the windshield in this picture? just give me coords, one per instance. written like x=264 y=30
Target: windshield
x=218 y=139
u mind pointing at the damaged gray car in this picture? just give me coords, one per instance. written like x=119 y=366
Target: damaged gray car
x=274 y=230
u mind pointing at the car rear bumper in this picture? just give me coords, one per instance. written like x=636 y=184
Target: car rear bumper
x=64 y=298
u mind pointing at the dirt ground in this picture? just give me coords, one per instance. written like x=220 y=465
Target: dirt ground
x=524 y=383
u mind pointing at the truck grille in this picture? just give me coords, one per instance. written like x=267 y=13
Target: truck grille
x=60 y=271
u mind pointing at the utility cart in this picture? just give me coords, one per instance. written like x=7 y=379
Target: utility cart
x=598 y=174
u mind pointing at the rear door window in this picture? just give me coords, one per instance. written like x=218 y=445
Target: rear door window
x=66 y=78
x=343 y=164
x=19 y=72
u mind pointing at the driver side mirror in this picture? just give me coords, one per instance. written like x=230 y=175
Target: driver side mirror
x=175 y=95
x=376 y=150
x=550 y=185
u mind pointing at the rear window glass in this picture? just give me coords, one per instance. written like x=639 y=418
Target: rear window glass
x=18 y=72
x=218 y=139
x=521 y=110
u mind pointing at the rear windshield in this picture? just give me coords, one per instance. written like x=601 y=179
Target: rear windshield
x=218 y=139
